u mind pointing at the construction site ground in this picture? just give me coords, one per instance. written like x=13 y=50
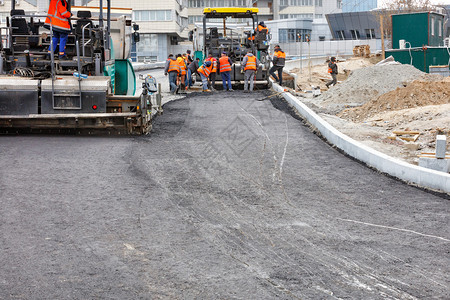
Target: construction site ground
x=227 y=198
x=371 y=102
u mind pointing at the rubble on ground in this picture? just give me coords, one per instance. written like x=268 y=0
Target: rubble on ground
x=378 y=99
x=415 y=94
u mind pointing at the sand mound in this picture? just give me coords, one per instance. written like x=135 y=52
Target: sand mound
x=415 y=94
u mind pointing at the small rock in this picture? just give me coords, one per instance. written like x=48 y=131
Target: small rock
x=411 y=146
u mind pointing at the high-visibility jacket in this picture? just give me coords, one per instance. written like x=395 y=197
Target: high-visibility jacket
x=182 y=65
x=260 y=28
x=174 y=66
x=205 y=70
x=59 y=16
x=251 y=63
x=279 y=58
x=213 y=64
x=332 y=68
x=251 y=38
x=224 y=64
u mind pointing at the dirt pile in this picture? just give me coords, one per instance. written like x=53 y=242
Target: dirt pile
x=377 y=100
x=367 y=83
x=415 y=94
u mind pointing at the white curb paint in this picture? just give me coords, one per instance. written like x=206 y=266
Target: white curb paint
x=410 y=173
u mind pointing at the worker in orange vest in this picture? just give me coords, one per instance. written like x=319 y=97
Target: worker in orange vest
x=225 y=71
x=212 y=76
x=173 y=69
x=262 y=28
x=58 y=18
x=333 y=71
x=182 y=74
x=250 y=65
x=278 y=61
x=205 y=71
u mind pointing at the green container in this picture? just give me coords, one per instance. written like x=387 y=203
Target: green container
x=418 y=29
x=422 y=58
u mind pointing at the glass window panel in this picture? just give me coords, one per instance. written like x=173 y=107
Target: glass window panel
x=160 y=15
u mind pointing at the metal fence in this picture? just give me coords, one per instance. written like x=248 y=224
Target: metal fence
x=327 y=48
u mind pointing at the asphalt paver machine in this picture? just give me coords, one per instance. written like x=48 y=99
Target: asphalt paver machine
x=93 y=89
x=235 y=38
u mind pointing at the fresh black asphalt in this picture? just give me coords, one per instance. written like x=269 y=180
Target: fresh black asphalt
x=227 y=198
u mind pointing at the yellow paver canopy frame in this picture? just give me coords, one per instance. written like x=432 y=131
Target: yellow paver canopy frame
x=234 y=12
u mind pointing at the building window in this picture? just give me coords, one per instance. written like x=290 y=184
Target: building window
x=152 y=15
x=432 y=25
x=318 y=16
x=196 y=3
x=147 y=44
x=339 y=3
x=296 y=16
x=293 y=35
x=440 y=28
x=370 y=34
x=355 y=34
x=319 y=3
x=193 y=19
x=301 y=2
x=284 y=3
x=340 y=35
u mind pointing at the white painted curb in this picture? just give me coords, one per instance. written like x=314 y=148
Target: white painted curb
x=410 y=173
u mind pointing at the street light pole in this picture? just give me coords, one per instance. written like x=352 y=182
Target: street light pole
x=309 y=57
x=301 y=52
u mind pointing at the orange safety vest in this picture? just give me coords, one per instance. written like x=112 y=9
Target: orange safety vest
x=182 y=65
x=251 y=63
x=252 y=38
x=330 y=70
x=174 y=66
x=205 y=70
x=213 y=64
x=59 y=16
x=260 y=28
x=224 y=64
x=280 y=54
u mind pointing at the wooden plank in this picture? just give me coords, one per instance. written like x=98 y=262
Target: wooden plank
x=409 y=139
x=402 y=132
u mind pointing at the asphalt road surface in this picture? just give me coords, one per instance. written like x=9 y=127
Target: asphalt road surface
x=228 y=198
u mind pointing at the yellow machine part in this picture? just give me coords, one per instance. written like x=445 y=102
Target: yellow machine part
x=230 y=10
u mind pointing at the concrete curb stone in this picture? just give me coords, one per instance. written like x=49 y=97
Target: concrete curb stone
x=420 y=176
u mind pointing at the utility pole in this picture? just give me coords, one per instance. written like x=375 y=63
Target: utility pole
x=301 y=52
x=309 y=56
x=382 y=37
